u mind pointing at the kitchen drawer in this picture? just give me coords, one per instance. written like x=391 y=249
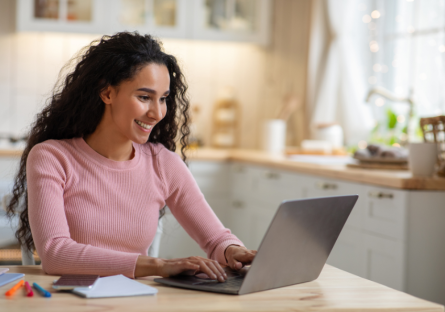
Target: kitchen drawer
x=385 y=212
x=385 y=261
x=323 y=187
x=275 y=186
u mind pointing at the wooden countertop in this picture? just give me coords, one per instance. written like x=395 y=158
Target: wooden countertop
x=387 y=178
x=10 y=152
x=334 y=290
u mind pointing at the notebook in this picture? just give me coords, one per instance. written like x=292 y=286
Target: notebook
x=6 y=278
x=115 y=286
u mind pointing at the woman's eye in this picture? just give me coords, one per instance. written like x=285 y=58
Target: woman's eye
x=144 y=98
x=163 y=99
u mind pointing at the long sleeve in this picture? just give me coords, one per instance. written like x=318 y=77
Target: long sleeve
x=192 y=211
x=48 y=174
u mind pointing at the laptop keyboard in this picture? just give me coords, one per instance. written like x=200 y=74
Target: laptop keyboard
x=230 y=283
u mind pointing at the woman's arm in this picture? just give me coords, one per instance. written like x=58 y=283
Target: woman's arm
x=192 y=211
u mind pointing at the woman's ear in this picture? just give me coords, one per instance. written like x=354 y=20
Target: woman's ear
x=105 y=94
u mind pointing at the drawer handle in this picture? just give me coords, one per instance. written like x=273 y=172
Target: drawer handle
x=326 y=186
x=240 y=169
x=381 y=195
x=237 y=204
x=272 y=175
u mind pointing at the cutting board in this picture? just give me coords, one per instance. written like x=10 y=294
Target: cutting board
x=379 y=166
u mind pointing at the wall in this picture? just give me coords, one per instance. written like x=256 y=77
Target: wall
x=260 y=77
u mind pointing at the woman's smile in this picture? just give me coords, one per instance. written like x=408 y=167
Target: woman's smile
x=143 y=126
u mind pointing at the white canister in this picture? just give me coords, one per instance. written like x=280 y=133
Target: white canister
x=274 y=136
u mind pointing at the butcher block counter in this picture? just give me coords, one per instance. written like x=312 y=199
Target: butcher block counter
x=387 y=178
x=402 y=179
x=334 y=290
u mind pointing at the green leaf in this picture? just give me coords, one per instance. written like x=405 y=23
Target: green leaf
x=392 y=118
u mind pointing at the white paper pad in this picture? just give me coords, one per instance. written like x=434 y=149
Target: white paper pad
x=116 y=286
x=6 y=278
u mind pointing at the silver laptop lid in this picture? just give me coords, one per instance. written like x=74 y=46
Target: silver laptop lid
x=298 y=242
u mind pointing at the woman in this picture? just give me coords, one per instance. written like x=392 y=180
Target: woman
x=100 y=166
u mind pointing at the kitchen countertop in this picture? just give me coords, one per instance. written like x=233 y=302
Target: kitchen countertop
x=333 y=290
x=388 y=178
x=400 y=179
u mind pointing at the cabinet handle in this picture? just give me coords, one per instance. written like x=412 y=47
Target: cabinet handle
x=381 y=195
x=237 y=204
x=272 y=175
x=240 y=169
x=326 y=186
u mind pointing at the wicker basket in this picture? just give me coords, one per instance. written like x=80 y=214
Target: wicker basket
x=434 y=131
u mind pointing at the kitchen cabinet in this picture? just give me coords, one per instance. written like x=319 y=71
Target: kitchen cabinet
x=160 y=18
x=223 y=20
x=232 y=20
x=72 y=16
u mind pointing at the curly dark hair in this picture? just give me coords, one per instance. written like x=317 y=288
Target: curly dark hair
x=75 y=108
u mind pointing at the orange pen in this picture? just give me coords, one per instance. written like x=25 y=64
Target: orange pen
x=29 y=292
x=14 y=289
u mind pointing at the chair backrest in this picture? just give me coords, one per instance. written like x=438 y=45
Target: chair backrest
x=27 y=256
x=153 y=251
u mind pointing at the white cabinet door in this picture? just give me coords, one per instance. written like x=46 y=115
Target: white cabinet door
x=349 y=252
x=63 y=16
x=385 y=212
x=240 y=220
x=161 y=18
x=259 y=222
x=385 y=261
x=232 y=20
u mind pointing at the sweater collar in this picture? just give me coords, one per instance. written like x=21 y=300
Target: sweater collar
x=104 y=161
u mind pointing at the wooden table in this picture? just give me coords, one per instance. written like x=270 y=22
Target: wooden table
x=334 y=290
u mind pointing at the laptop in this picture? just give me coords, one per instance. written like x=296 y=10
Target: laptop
x=293 y=250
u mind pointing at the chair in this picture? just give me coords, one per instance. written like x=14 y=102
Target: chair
x=28 y=258
x=27 y=255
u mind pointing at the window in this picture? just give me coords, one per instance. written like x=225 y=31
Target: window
x=405 y=50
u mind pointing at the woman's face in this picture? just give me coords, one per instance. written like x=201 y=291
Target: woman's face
x=137 y=105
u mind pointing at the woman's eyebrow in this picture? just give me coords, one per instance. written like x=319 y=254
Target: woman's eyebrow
x=152 y=91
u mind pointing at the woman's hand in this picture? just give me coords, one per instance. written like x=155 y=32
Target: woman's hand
x=238 y=256
x=192 y=265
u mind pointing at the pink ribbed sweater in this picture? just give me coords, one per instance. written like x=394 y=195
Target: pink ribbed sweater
x=92 y=215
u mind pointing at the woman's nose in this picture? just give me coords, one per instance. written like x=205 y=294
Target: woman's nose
x=155 y=111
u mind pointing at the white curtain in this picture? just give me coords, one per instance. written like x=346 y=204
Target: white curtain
x=337 y=85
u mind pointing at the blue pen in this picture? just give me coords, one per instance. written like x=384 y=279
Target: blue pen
x=42 y=291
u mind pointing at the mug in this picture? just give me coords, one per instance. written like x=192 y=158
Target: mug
x=422 y=158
